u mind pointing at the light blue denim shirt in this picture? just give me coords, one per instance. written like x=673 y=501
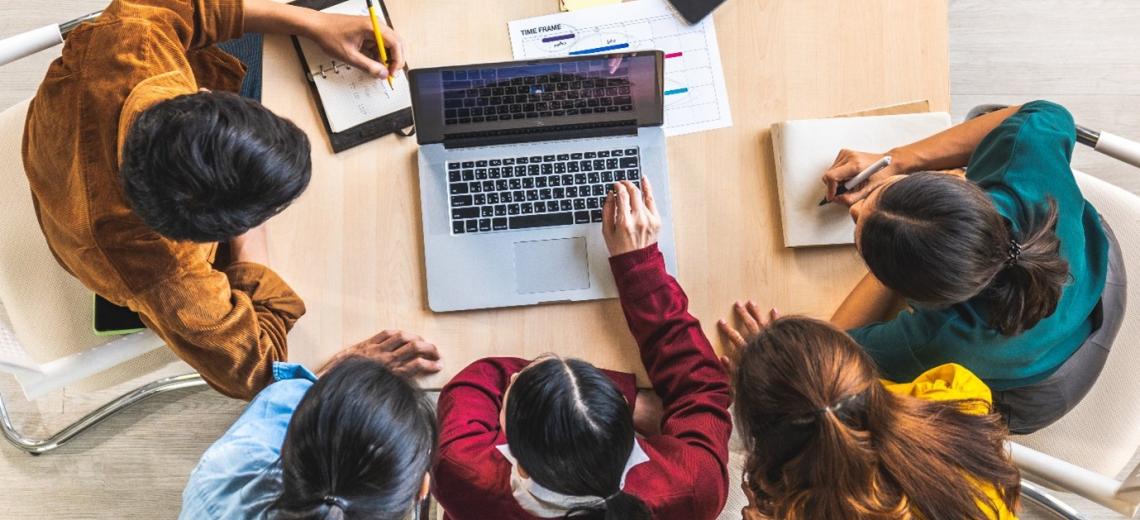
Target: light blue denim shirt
x=239 y=476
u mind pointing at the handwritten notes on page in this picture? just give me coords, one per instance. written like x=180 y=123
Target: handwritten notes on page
x=695 y=94
x=351 y=96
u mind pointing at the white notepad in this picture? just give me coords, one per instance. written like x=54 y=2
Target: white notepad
x=350 y=96
x=805 y=149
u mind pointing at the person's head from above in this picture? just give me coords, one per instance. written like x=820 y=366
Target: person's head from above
x=826 y=439
x=359 y=445
x=938 y=239
x=571 y=431
x=209 y=166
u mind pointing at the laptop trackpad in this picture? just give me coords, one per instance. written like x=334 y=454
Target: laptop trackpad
x=552 y=265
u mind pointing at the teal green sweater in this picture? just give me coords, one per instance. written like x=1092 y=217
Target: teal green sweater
x=1020 y=164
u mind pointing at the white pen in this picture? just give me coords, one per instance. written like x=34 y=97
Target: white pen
x=858 y=179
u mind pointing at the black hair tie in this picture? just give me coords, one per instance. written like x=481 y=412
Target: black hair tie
x=1014 y=253
x=333 y=500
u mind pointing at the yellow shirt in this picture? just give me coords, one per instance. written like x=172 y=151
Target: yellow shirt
x=951 y=382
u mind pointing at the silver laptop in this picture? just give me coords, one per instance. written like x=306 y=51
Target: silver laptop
x=515 y=161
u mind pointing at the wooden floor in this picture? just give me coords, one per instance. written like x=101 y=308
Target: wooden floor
x=1081 y=54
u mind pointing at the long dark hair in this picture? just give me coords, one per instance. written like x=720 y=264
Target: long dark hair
x=572 y=431
x=827 y=440
x=939 y=241
x=358 y=446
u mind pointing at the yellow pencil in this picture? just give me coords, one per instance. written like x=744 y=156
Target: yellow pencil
x=379 y=39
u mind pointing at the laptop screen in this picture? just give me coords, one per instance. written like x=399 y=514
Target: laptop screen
x=503 y=98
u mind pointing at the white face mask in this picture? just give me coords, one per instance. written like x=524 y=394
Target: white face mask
x=544 y=503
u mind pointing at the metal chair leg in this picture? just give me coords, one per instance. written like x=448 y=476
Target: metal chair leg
x=37 y=446
x=1038 y=495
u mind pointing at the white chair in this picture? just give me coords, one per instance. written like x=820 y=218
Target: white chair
x=1087 y=450
x=47 y=340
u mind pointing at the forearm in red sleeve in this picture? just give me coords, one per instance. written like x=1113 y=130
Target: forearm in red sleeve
x=681 y=364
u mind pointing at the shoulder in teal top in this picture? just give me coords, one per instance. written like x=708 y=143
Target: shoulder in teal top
x=1021 y=164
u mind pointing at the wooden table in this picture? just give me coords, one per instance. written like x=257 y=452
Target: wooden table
x=352 y=245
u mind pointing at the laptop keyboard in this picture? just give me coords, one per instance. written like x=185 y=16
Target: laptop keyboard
x=510 y=193
x=577 y=88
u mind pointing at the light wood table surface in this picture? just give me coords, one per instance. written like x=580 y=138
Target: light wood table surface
x=352 y=245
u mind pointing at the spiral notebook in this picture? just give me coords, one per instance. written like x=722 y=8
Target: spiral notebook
x=355 y=106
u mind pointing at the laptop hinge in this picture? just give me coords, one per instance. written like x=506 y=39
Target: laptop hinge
x=549 y=133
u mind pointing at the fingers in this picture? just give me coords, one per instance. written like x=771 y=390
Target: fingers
x=747 y=317
x=414 y=349
x=395 y=46
x=623 y=205
x=358 y=59
x=837 y=175
x=417 y=367
x=636 y=202
x=734 y=337
x=647 y=193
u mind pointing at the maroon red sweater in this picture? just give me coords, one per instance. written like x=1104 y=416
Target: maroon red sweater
x=685 y=478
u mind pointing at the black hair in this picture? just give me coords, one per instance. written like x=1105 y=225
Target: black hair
x=939 y=240
x=358 y=446
x=210 y=166
x=572 y=431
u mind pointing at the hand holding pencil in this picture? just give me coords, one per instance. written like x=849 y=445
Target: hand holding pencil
x=379 y=35
x=354 y=40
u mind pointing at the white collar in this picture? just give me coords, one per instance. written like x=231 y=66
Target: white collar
x=544 y=503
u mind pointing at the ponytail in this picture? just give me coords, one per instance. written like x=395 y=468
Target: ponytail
x=827 y=440
x=939 y=241
x=1028 y=286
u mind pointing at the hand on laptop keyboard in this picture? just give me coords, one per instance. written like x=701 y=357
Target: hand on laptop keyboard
x=629 y=219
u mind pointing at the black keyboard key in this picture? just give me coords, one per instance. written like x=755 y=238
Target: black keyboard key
x=468 y=164
x=548 y=158
x=528 y=183
x=545 y=194
x=592 y=203
x=522 y=160
x=603 y=154
x=547 y=169
x=475 y=187
x=619 y=175
x=508 y=162
x=629 y=162
x=502 y=185
x=579 y=203
x=567 y=180
x=617 y=153
x=536 y=159
x=600 y=164
x=514 y=209
x=462 y=213
x=471 y=225
x=534 y=169
x=565 y=205
x=581 y=217
x=563 y=157
x=591 y=155
x=492 y=198
x=572 y=167
x=480 y=164
x=499 y=224
x=481 y=174
x=599 y=190
x=575 y=156
x=496 y=162
x=520 y=171
x=457 y=227
x=540 y=182
x=494 y=173
x=608 y=177
x=596 y=215
x=540 y=207
x=488 y=186
x=461 y=201
x=501 y=210
x=485 y=224
x=468 y=175
x=572 y=192
x=516 y=184
x=454 y=176
x=527 y=208
x=633 y=175
x=542 y=220
x=479 y=199
x=486 y=211
x=593 y=177
x=452 y=166
x=531 y=195
x=611 y=163
x=559 y=167
x=631 y=151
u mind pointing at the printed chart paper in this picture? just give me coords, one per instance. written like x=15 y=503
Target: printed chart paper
x=695 y=94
